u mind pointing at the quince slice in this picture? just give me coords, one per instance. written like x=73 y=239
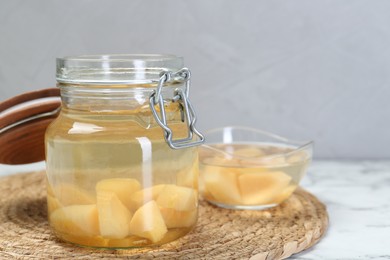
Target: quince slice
x=114 y=217
x=178 y=198
x=148 y=222
x=78 y=220
x=262 y=187
x=221 y=184
x=141 y=197
x=122 y=187
x=178 y=219
x=69 y=194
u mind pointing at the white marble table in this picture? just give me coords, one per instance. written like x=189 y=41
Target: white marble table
x=357 y=195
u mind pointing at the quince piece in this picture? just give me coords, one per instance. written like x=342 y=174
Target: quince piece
x=178 y=198
x=141 y=197
x=69 y=194
x=148 y=222
x=222 y=184
x=122 y=187
x=262 y=187
x=78 y=220
x=114 y=217
x=178 y=219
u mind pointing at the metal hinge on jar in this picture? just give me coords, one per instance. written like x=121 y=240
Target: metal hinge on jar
x=188 y=113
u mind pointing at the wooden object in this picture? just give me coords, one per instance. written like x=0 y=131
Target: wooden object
x=24 y=143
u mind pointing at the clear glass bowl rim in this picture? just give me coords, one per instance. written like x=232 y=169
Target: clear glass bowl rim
x=300 y=145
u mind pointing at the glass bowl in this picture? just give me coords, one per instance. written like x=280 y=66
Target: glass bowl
x=246 y=168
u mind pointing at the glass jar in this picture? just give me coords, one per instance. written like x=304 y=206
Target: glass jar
x=122 y=161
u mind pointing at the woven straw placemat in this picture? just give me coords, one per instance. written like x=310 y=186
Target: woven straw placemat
x=277 y=233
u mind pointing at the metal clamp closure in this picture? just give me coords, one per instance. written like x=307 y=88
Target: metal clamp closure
x=187 y=110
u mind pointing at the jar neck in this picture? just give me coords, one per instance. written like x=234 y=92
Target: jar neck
x=115 y=69
x=103 y=98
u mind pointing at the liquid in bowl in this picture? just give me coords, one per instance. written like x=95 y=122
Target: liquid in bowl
x=250 y=175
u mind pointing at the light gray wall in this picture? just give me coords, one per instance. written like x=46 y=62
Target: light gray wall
x=305 y=69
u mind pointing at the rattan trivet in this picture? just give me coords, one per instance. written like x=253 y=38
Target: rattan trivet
x=277 y=233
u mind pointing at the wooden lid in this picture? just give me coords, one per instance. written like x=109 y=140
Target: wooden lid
x=23 y=122
x=277 y=233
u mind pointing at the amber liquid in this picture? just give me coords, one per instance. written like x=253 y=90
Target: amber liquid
x=92 y=156
x=247 y=176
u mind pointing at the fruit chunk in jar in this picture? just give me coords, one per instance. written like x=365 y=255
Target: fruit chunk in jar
x=178 y=206
x=141 y=197
x=114 y=217
x=250 y=174
x=123 y=188
x=79 y=220
x=142 y=217
x=148 y=222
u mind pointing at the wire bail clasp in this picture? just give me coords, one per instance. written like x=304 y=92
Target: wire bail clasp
x=188 y=113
